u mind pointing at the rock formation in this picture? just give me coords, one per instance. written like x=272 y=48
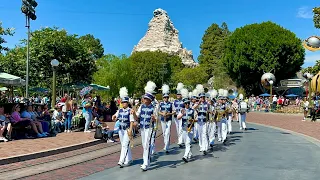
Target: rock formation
x=162 y=36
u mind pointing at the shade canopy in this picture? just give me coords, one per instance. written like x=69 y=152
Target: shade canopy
x=291 y=95
x=265 y=95
x=99 y=87
x=9 y=79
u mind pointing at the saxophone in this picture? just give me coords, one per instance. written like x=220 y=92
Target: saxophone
x=221 y=113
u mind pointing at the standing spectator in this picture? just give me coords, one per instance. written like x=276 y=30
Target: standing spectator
x=3 y=124
x=64 y=99
x=87 y=112
x=305 y=108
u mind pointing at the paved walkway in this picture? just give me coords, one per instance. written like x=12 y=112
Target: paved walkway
x=260 y=153
x=286 y=121
x=27 y=146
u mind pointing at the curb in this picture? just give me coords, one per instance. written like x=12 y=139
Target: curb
x=29 y=156
x=309 y=138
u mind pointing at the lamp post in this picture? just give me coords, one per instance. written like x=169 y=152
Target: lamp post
x=28 y=8
x=271 y=83
x=54 y=64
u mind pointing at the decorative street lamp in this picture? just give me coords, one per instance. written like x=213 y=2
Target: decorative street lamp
x=28 y=8
x=54 y=64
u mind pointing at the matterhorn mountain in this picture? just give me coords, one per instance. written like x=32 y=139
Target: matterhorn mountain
x=163 y=36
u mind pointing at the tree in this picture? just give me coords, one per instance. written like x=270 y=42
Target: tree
x=93 y=45
x=191 y=76
x=314 y=69
x=257 y=48
x=316 y=17
x=148 y=65
x=14 y=62
x=212 y=47
x=114 y=71
x=4 y=32
x=75 y=59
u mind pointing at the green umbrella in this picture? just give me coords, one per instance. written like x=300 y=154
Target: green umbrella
x=99 y=87
x=39 y=89
x=77 y=85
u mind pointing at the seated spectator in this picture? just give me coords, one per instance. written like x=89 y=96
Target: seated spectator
x=17 y=121
x=57 y=118
x=3 y=125
x=28 y=113
x=108 y=134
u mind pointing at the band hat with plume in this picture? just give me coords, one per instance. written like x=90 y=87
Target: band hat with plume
x=190 y=95
x=195 y=94
x=225 y=94
x=241 y=96
x=149 y=90
x=185 y=95
x=220 y=93
x=124 y=94
x=179 y=88
x=213 y=94
x=200 y=90
x=165 y=90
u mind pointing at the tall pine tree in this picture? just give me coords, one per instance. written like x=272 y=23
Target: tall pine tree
x=212 y=47
x=316 y=17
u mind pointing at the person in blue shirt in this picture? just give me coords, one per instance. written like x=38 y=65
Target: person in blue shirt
x=87 y=112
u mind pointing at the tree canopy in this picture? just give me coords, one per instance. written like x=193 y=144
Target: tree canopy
x=114 y=71
x=191 y=76
x=4 y=32
x=257 y=48
x=212 y=47
x=154 y=66
x=77 y=56
x=316 y=17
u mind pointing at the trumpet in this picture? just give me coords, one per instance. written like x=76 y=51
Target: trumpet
x=221 y=113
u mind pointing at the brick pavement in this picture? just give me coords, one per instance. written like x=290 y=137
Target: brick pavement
x=100 y=164
x=290 y=122
x=27 y=146
x=286 y=121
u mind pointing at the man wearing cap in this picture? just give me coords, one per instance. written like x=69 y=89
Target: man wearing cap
x=147 y=115
x=203 y=108
x=194 y=99
x=166 y=112
x=177 y=105
x=126 y=119
x=188 y=118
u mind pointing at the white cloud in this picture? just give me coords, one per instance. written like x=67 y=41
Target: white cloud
x=305 y=12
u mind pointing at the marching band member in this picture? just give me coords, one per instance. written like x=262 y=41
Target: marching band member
x=202 y=108
x=212 y=123
x=177 y=105
x=147 y=115
x=192 y=104
x=243 y=110
x=166 y=112
x=125 y=117
x=187 y=116
x=155 y=104
x=229 y=118
x=221 y=111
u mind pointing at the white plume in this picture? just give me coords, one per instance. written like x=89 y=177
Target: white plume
x=180 y=86
x=225 y=93
x=165 y=89
x=190 y=94
x=123 y=92
x=151 y=86
x=220 y=92
x=213 y=93
x=200 y=88
x=184 y=93
x=240 y=96
x=195 y=92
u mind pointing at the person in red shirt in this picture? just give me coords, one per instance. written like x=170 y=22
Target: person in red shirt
x=64 y=99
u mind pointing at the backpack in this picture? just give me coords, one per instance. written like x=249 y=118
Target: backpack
x=98 y=134
x=243 y=107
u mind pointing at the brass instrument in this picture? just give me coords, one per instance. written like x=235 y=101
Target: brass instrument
x=192 y=123
x=221 y=113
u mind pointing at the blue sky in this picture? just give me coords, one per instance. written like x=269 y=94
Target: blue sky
x=120 y=24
